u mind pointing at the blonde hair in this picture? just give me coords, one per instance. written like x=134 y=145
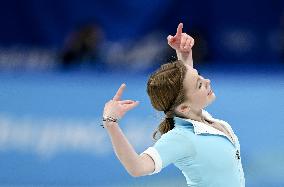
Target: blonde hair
x=166 y=92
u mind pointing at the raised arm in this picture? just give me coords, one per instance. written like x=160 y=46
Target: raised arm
x=136 y=165
x=182 y=43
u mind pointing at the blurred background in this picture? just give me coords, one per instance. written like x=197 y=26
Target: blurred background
x=61 y=61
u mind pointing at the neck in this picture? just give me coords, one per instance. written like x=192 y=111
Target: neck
x=196 y=115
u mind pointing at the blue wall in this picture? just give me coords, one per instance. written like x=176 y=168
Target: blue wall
x=257 y=25
x=50 y=133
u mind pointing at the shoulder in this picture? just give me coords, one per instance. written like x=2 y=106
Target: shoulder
x=174 y=144
x=175 y=133
x=178 y=132
x=177 y=137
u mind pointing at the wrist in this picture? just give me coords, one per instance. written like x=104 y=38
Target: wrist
x=109 y=121
x=109 y=124
x=185 y=57
x=179 y=56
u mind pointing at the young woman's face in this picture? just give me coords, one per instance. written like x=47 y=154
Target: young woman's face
x=198 y=89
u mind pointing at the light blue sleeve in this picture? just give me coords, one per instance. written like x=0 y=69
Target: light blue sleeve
x=169 y=148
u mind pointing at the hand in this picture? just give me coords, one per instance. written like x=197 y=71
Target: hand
x=116 y=108
x=182 y=43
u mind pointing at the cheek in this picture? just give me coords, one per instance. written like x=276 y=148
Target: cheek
x=204 y=99
x=199 y=99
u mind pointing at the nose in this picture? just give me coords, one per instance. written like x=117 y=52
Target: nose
x=207 y=82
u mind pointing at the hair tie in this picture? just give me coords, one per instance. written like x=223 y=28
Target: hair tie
x=169 y=114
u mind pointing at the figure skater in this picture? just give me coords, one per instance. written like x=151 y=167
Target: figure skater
x=205 y=149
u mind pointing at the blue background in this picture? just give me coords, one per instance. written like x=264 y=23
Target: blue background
x=251 y=103
x=46 y=23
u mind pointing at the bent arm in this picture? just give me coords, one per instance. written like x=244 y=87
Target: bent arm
x=136 y=165
x=187 y=60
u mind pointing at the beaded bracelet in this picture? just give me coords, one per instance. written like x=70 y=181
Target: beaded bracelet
x=109 y=119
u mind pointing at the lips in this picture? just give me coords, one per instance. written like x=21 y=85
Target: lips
x=210 y=92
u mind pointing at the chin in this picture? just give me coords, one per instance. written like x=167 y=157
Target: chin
x=211 y=99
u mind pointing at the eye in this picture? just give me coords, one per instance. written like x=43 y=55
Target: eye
x=200 y=84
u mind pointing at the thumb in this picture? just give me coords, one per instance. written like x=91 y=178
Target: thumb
x=170 y=38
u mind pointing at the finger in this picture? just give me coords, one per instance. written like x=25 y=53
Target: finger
x=126 y=102
x=183 y=41
x=187 y=45
x=119 y=92
x=170 y=38
x=179 y=30
x=131 y=106
x=192 y=42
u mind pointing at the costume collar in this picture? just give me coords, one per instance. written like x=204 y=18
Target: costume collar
x=202 y=128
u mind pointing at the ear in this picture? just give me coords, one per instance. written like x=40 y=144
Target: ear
x=183 y=109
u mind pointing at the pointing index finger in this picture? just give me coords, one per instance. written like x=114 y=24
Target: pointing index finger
x=179 y=30
x=119 y=92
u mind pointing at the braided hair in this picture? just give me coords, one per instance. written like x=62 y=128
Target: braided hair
x=165 y=90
